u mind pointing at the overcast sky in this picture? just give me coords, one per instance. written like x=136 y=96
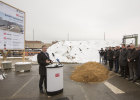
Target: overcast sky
x=81 y=19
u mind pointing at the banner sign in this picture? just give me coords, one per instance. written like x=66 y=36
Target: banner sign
x=12 y=23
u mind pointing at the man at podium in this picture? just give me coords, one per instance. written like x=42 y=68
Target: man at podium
x=43 y=60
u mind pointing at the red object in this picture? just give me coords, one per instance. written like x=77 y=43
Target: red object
x=17 y=14
x=4 y=33
x=4 y=37
x=57 y=75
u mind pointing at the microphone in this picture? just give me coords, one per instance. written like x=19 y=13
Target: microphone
x=58 y=61
x=53 y=55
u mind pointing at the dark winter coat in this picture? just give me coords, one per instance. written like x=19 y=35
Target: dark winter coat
x=116 y=54
x=101 y=52
x=133 y=55
x=123 y=57
x=105 y=54
x=41 y=58
x=110 y=54
x=129 y=53
x=137 y=57
x=139 y=65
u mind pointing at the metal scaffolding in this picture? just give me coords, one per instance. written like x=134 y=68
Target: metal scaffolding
x=135 y=36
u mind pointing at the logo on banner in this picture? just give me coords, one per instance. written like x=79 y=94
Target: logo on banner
x=5 y=38
x=57 y=75
x=19 y=15
x=4 y=33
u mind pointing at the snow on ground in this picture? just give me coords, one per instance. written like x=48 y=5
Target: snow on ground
x=22 y=63
x=13 y=57
x=77 y=51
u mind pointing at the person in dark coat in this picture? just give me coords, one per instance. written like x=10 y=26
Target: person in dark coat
x=110 y=58
x=105 y=56
x=123 y=61
x=132 y=64
x=43 y=60
x=101 y=52
x=116 y=58
x=138 y=63
x=128 y=55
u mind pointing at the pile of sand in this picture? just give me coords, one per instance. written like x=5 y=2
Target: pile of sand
x=90 y=72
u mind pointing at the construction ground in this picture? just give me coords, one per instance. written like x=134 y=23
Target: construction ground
x=24 y=86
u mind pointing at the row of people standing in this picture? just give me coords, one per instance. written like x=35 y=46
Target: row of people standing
x=126 y=60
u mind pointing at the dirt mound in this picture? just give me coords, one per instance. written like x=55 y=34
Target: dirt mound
x=90 y=72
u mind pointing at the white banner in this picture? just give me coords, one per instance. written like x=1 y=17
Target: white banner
x=11 y=28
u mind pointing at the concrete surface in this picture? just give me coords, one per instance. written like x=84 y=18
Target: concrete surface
x=24 y=86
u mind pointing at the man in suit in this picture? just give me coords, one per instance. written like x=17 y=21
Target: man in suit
x=138 y=62
x=123 y=61
x=116 y=58
x=132 y=64
x=43 y=60
x=105 y=56
x=101 y=52
x=110 y=54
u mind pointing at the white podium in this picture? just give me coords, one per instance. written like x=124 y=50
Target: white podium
x=54 y=79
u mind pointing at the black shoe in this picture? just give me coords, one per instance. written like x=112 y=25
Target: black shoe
x=41 y=91
x=134 y=81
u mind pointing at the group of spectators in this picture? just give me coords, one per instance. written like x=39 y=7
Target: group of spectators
x=125 y=60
